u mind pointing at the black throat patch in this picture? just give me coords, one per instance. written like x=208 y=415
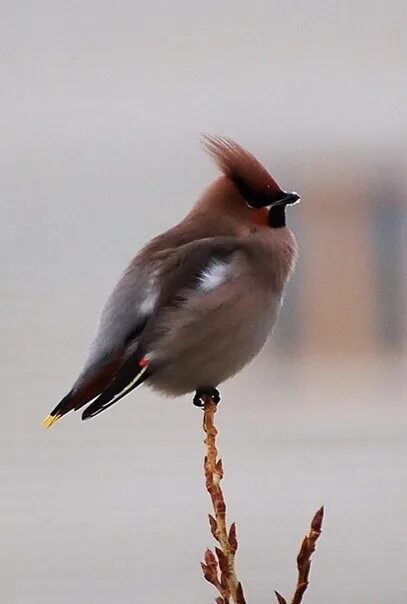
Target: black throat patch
x=276 y=217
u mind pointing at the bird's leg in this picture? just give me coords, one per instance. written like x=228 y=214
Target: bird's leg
x=202 y=393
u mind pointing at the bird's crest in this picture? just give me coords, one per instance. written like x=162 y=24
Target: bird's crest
x=243 y=168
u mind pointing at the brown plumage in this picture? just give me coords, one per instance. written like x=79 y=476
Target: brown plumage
x=198 y=302
x=240 y=166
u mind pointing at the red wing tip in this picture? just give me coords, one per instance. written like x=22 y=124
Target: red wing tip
x=144 y=361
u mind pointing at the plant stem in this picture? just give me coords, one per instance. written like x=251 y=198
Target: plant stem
x=219 y=570
x=304 y=559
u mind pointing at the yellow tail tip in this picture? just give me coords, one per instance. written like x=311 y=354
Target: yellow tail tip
x=50 y=420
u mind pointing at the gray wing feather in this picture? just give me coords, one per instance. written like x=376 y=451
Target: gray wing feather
x=144 y=289
x=122 y=319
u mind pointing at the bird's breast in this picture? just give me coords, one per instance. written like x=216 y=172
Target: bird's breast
x=205 y=350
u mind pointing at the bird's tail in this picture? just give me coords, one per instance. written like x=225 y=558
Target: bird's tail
x=89 y=385
x=63 y=407
x=133 y=373
x=251 y=178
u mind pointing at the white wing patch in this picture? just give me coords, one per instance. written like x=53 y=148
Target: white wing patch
x=148 y=304
x=213 y=275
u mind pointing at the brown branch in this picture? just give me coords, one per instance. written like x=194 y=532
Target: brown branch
x=304 y=560
x=219 y=570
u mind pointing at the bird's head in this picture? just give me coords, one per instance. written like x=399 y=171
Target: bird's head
x=248 y=191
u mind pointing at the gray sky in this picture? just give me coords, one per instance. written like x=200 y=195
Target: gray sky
x=320 y=70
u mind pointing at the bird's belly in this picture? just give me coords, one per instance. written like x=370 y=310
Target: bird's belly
x=214 y=356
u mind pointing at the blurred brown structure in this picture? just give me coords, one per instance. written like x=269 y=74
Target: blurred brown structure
x=348 y=295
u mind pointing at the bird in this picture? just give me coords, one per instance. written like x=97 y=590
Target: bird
x=199 y=301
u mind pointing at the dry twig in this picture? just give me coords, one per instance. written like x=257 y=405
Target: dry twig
x=220 y=569
x=304 y=560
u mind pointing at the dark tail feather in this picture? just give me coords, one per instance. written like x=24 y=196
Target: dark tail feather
x=89 y=386
x=133 y=373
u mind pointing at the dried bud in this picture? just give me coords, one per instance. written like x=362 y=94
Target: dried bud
x=208 y=574
x=239 y=595
x=223 y=561
x=233 y=538
x=210 y=559
x=316 y=524
x=280 y=598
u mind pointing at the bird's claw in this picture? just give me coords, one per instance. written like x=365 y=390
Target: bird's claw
x=202 y=393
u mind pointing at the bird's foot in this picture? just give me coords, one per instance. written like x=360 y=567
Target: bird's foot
x=202 y=393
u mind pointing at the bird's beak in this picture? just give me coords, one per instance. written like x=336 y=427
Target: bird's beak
x=286 y=199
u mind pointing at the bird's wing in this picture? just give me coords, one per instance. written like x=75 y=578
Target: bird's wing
x=121 y=322
x=129 y=309
x=200 y=267
x=95 y=377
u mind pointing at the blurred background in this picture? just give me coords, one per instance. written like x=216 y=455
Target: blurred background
x=102 y=106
